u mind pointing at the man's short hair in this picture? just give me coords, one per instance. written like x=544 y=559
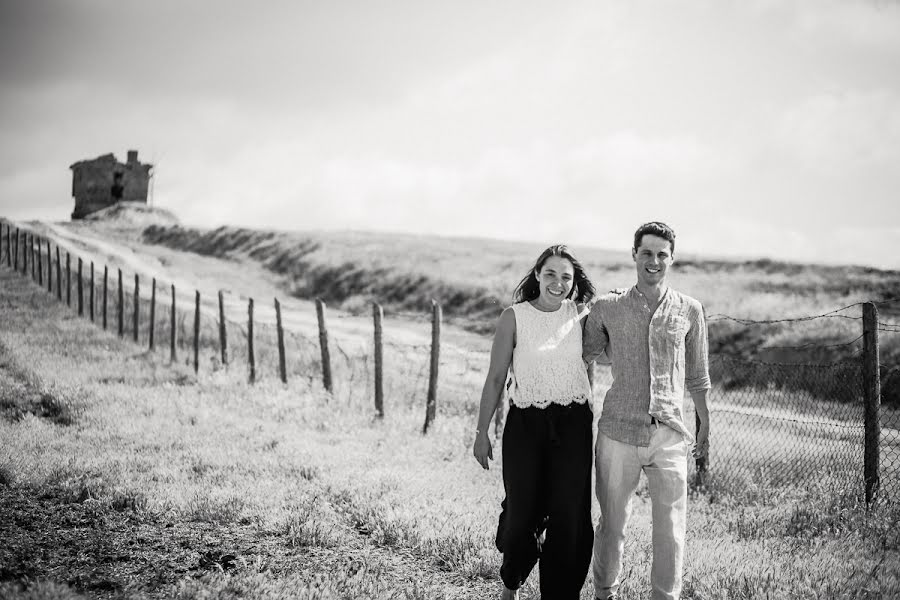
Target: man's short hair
x=656 y=228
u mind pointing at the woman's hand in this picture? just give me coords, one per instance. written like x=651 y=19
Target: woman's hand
x=482 y=449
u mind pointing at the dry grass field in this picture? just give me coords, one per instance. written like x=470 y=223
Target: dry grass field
x=125 y=476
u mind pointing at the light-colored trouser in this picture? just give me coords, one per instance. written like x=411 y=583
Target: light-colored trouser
x=619 y=467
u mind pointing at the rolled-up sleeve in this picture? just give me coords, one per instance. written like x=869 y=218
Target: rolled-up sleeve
x=696 y=353
x=595 y=337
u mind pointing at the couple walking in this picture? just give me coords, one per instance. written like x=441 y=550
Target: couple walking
x=655 y=339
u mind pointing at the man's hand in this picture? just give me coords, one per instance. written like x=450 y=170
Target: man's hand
x=701 y=445
x=482 y=449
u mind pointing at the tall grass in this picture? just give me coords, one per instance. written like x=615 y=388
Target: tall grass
x=273 y=491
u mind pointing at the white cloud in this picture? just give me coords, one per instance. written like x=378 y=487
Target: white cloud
x=868 y=23
x=627 y=158
x=844 y=130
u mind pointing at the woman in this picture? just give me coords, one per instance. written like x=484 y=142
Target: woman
x=547 y=436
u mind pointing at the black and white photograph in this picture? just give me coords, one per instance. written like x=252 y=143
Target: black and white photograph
x=450 y=300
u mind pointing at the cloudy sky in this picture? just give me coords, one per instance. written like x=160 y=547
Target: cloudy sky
x=754 y=127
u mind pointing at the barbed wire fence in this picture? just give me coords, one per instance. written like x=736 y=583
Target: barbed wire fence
x=775 y=422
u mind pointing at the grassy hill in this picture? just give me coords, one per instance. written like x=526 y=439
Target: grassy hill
x=474 y=280
x=125 y=476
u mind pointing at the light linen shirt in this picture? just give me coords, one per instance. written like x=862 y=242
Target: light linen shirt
x=655 y=356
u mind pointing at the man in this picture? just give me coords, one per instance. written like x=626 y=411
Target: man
x=656 y=341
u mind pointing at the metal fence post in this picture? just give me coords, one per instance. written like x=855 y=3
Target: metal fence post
x=872 y=394
x=431 y=406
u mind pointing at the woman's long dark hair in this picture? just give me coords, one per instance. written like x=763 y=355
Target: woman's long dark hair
x=529 y=288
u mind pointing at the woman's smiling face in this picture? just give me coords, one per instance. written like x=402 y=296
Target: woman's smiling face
x=556 y=278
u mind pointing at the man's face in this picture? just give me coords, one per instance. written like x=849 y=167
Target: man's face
x=652 y=259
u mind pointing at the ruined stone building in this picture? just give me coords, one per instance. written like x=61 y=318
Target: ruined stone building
x=103 y=181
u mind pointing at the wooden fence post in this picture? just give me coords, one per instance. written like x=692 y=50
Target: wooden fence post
x=872 y=390
x=58 y=276
x=80 y=290
x=16 y=251
x=152 y=312
x=91 y=295
x=197 y=331
x=172 y=328
x=282 y=363
x=40 y=263
x=68 y=279
x=137 y=305
x=8 y=245
x=323 y=344
x=223 y=335
x=250 y=356
x=49 y=268
x=431 y=406
x=105 y=293
x=33 y=257
x=377 y=315
x=120 y=300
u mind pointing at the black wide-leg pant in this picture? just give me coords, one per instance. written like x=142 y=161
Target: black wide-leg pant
x=547 y=459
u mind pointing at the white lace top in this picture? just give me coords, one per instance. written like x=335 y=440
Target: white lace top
x=547 y=366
